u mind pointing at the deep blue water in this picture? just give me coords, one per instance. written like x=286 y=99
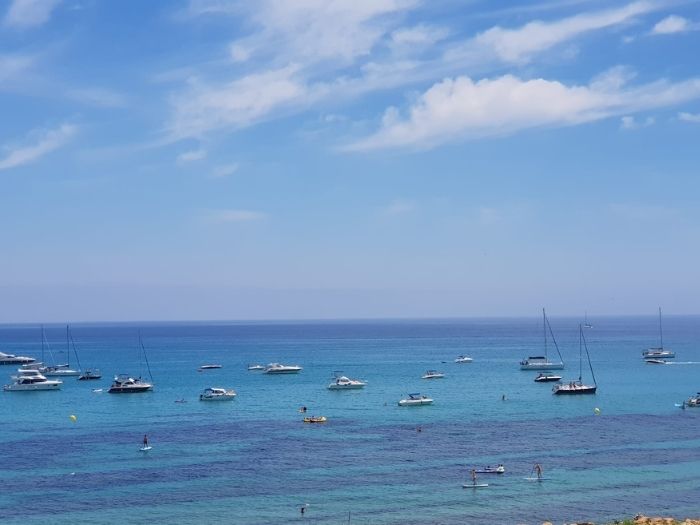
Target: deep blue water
x=254 y=461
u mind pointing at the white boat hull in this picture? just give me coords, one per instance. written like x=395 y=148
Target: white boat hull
x=333 y=386
x=415 y=402
x=542 y=366
x=48 y=385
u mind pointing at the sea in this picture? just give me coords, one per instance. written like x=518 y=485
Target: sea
x=627 y=449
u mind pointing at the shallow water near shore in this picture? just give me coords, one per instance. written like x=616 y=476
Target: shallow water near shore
x=253 y=461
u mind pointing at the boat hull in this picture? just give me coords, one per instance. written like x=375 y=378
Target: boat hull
x=415 y=402
x=566 y=391
x=129 y=390
x=226 y=397
x=52 y=385
x=333 y=386
x=542 y=366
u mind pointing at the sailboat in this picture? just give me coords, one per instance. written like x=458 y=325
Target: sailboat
x=577 y=386
x=659 y=352
x=57 y=370
x=124 y=384
x=88 y=373
x=586 y=324
x=543 y=362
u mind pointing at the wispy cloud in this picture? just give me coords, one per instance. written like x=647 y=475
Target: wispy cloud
x=689 y=117
x=672 y=24
x=630 y=123
x=94 y=96
x=47 y=142
x=224 y=171
x=13 y=65
x=398 y=207
x=191 y=156
x=23 y=14
x=233 y=216
x=461 y=108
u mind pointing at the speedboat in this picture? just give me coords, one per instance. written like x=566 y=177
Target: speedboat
x=547 y=378
x=345 y=383
x=573 y=387
x=658 y=353
x=315 y=419
x=655 y=361
x=540 y=362
x=693 y=401
x=463 y=359
x=415 y=400
x=90 y=374
x=277 y=368
x=123 y=384
x=256 y=367
x=59 y=371
x=31 y=380
x=499 y=469
x=209 y=367
x=11 y=359
x=217 y=394
x=433 y=374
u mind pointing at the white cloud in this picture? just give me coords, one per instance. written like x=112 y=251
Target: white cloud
x=419 y=35
x=239 y=52
x=460 y=108
x=233 y=216
x=29 y=13
x=519 y=45
x=398 y=207
x=629 y=123
x=225 y=170
x=47 y=142
x=191 y=156
x=13 y=65
x=671 y=24
x=689 y=117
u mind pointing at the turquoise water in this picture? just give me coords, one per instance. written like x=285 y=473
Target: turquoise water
x=253 y=460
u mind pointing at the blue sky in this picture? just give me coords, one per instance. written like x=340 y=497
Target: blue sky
x=213 y=159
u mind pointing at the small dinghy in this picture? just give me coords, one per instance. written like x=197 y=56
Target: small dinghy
x=499 y=469
x=315 y=419
x=547 y=378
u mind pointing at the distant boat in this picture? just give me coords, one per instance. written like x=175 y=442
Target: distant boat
x=415 y=400
x=124 y=384
x=256 y=367
x=543 y=362
x=62 y=370
x=586 y=324
x=655 y=361
x=277 y=368
x=315 y=419
x=342 y=382
x=547 y=378
x=433 y=374
x=463 y=359
x=28 y=380
x=659 y=352
x=498 y=469
x=577 y=386
x=217 y=394
x=11 y=359
x=209 y=367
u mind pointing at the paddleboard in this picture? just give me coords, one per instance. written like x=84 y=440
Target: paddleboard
x=474 y=486
x=534 y=479
x=680 y=405
x=146 y=448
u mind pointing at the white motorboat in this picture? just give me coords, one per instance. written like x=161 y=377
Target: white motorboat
x=547 y=378
x=11 y=359
x=463 y=359
x=123 y=384
x=256 y=367
x=415 y=400
x=542 y=362
x=342 y=382
x=217 y=394
x=31 y=380
x=498 y=469
x=277 y=368
x=90 y=374
x=433 y=374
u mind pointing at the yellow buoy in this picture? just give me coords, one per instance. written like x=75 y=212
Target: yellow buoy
x=596 y=411
x=73 y=418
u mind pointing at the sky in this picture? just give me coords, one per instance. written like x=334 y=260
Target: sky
x=312 y=159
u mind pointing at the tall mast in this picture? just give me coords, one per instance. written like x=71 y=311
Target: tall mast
x=67 y=346
x=42 y=343
x=580 y=351
x=544 y=329
x=661 y=334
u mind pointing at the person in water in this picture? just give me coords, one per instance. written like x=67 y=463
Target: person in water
x=538 y=470
x=474 y=476
x=145 y=440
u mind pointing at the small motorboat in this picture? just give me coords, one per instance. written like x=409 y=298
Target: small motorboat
x=463 y=359
x=547 y=378
x=315 y=419
x=693 y=401
x=11 y=359
x=59 y=371
x=217 y=394
x=277 y=368
x=256 y=367
x=415 y=400
x=30 y=381
x=342 y=382
x=499 y=469
x=209 y=367
x=433 y=374
x=656 y=361
x=658 y=353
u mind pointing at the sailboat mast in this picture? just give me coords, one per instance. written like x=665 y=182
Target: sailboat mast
x=661 y=334
x=75 y=350
x=580 y=351
x=42 y=343
x=544 y=330
x=588 y=356
x=67 y=346
x=145 y=357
